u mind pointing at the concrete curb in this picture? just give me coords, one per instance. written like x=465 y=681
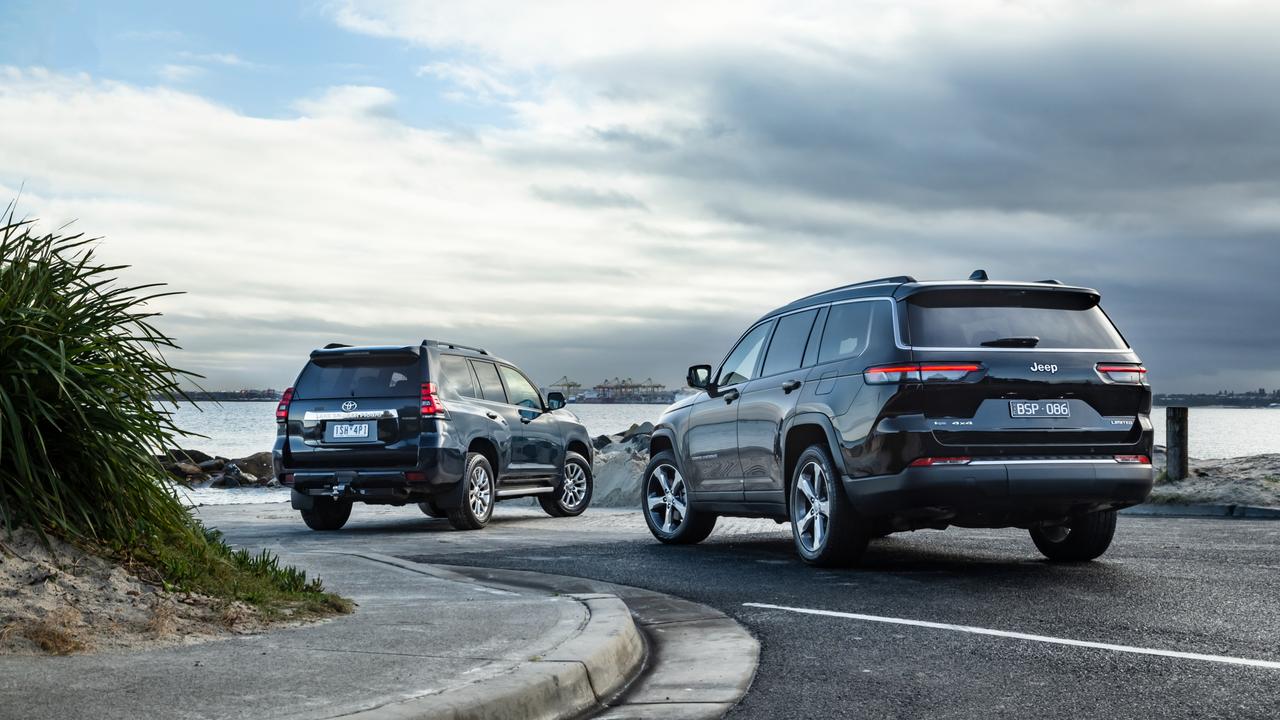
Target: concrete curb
x=701 y=661
x=1249 y=512
x=579 y=675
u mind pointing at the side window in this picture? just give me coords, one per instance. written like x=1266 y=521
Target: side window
x=457 y=377
x=740 y=366
x=815 y=338
x=848 y=331
x=519 y=390
x=490 y=385
x=786 y=349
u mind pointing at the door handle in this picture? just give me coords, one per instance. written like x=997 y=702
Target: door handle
x=491 y=415
x=730 y=396
x=790 y=385
x=525 y=420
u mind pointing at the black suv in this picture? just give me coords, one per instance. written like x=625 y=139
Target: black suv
x=443 y=425
x=897 y=405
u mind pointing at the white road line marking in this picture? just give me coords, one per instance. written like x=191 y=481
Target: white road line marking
x=1272 y=664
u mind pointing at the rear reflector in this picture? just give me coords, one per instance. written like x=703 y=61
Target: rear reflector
x=431 y=405
x=415 y=477
x=1128 y=374
x=286 y=479
x=1140 y=459
x=919 y=372
x=930 y=461
x=282 y=410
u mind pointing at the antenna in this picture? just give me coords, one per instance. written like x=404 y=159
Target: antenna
x=979 y=276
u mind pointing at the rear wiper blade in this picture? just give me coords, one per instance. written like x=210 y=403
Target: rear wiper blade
x=1028 y=341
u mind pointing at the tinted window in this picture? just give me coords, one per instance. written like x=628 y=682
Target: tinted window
x=786 y=349
x=364 y=376
x=519 y=390
x=848 y=331
x=490 y=385
x=741 y=363
x=967 y=319
x=457 y=377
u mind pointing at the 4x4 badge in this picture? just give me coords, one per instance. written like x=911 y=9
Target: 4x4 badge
x=349 y=405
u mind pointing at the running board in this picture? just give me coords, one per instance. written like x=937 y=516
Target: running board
x=517 y=492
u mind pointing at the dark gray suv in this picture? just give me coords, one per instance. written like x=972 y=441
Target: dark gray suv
x=446 y=426
x=897 y=405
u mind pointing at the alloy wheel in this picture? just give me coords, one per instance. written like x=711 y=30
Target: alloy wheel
x=575 y=486
x=811 y=507
x=479 y=491
x=666 y=499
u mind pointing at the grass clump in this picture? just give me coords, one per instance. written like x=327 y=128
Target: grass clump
x=78 y=428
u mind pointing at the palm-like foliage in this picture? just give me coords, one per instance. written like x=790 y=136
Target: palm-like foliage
x=80 y=364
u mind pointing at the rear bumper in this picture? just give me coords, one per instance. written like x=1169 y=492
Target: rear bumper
x=438 y=473
x=999 y=493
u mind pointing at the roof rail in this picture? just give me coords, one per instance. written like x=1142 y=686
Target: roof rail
x=897 y=279
x=334 y=346
x=455 y=346
x=1050 y=281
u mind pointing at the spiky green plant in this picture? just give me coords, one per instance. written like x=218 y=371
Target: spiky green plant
x=80 y=364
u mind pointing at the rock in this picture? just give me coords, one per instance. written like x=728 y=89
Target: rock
x=213 y=465
x=187 y=469
x=194 y=457
x=617 y=479
x=273 y=483
x=645 y=428
x=226 y=481
x=257 y=464
x=601 y=441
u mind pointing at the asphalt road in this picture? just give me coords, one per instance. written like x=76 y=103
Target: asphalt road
x=1207 y=587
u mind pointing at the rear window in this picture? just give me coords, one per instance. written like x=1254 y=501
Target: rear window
x=969 y=318
x=365 y=376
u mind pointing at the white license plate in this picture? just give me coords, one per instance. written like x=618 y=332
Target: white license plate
x=1039 y=408
x=347 y=431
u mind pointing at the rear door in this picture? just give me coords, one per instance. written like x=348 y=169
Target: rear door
x=767 y=402
x=1039 y=389
x=357 y=409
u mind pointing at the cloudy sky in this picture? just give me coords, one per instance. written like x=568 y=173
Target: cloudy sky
x=617 y=189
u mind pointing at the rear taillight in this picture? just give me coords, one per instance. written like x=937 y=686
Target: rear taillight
x=286 y=479
x=1139 y=459
x=282 y=410
x=920 y=372
x=931 y=461
x=431 y=405
x=1123 y=374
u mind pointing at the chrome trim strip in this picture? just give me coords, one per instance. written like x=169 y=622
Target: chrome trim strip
x=993 y=349
x=314 y=416
x=517 y=492
x=1068 y=461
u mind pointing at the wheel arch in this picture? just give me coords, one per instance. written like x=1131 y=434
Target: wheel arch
x=800 y=432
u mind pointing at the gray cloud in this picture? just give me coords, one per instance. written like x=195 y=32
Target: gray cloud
x=586 y=197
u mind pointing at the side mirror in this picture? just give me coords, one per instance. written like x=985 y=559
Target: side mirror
x=699 y=376
x=555 y=400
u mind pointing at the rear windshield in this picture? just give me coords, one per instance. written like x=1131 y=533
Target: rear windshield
x=1016 y=318
x=366 y=376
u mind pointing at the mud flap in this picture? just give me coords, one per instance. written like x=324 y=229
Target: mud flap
x=300 y=501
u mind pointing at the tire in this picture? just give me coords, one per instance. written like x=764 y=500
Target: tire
x=478 y=495
x=429 y=509
x=573 y=495
x=836 y=537
x=667 y=508
x=328 y=514
x=1086 y=537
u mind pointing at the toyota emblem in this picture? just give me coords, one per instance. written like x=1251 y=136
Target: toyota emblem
x=348 y=406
